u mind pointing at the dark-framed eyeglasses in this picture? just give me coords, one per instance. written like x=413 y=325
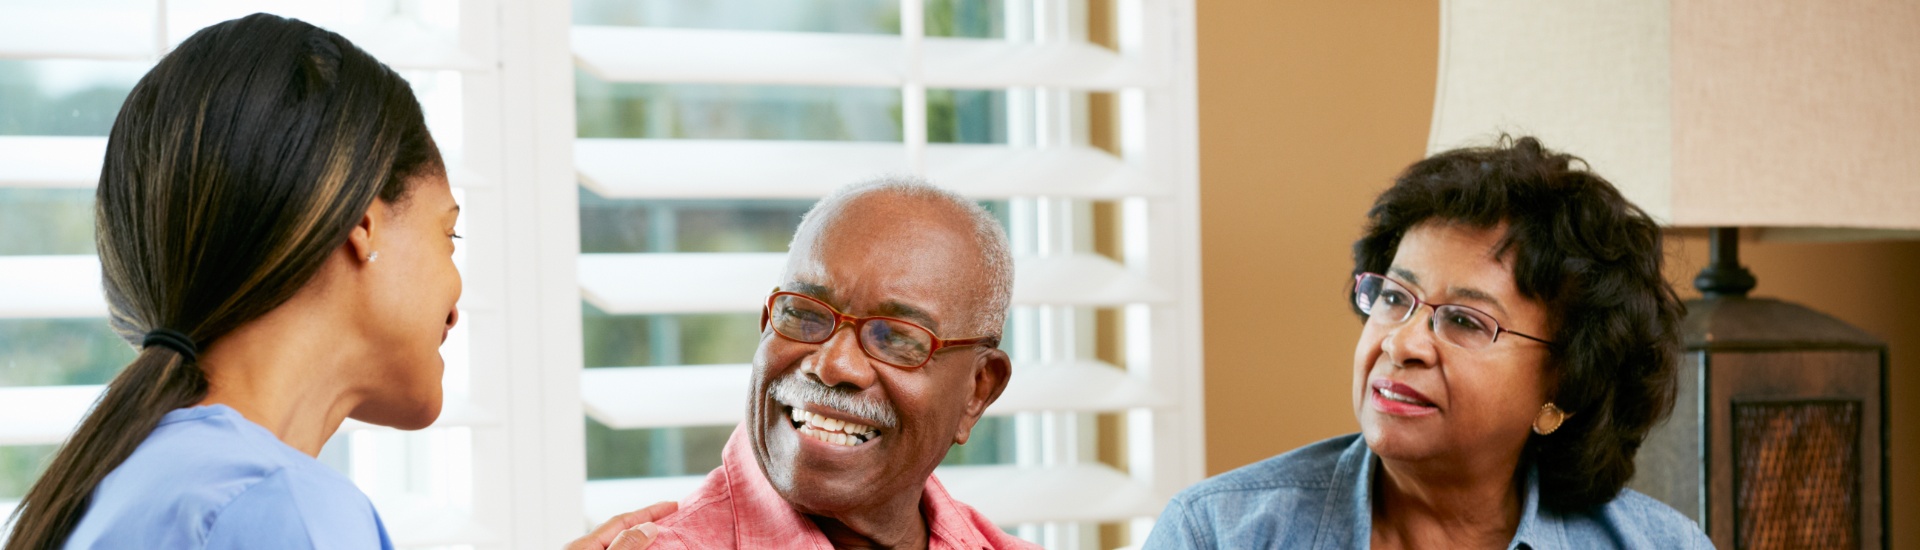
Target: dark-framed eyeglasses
x=1389 y=302
x=891 y=340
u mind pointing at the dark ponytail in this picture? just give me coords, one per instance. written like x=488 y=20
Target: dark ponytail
x=236 y=166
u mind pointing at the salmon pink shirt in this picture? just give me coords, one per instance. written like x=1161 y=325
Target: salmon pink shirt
x=737 y=508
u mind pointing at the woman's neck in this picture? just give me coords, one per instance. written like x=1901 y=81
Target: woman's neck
x=1446 y=506
x=282 y=373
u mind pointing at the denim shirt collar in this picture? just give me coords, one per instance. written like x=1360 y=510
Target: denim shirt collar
x=1538 y=529
x=1352 y=494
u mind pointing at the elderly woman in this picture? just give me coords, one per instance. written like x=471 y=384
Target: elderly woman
x=1518 y=342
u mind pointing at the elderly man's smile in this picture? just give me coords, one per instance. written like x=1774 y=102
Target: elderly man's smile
x=878 y=352
x=830 y=430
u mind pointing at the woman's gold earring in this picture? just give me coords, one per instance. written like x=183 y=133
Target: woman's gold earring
x=373 y=256
x=1549 y=420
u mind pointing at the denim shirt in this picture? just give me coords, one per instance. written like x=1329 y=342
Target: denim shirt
x=1316 y=497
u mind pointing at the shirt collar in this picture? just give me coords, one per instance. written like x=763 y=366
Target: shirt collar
x=1538 y=529
x=1348 y=497
x=764 y=519
x=1353 y=492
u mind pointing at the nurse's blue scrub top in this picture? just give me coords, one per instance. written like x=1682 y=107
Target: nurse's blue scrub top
x=209 y=478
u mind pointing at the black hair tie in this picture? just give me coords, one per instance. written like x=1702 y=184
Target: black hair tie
x=175 y=341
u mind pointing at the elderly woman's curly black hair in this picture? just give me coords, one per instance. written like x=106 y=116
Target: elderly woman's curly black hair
x=1593 y=259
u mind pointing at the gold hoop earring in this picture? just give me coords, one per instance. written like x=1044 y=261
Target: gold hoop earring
x=1550 y=419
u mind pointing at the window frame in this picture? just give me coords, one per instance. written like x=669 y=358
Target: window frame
x=521 y=173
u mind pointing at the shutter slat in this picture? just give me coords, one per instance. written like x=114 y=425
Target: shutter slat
x=51 y=161
x=639 y=54
x=975 y=63
x=1077 y=386
x=73 y=162
x=407 y=45
x=67 y=287
x=635 y=284
x=625 y=398
x=44 y=415
x=702 y=56
x=1006 y=495
x=630 y=284
x=730 y=169
x=1080 y=279
x=108 y=34
x=50 y=287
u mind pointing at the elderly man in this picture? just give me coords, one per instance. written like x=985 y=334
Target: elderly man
x=877 y=354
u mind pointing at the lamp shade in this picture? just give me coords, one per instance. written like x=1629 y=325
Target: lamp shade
x=1703 y=112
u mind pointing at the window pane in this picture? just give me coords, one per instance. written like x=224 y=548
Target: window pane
x=615 y=454
x=652 y=340
x=64 y=98
x=419 y=18
x=60 y=352
x=701 y=111
x=20 y=466
x=698 y=111
x=39 y=222
x=966 y=18
x=992 y=442
x=661 y=340
x=613 y=225
x=966 y=116
x=51 y=352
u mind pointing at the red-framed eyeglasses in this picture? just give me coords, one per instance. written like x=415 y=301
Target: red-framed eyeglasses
x=891 y=340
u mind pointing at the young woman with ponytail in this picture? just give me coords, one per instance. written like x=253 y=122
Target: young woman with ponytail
x=275 y=230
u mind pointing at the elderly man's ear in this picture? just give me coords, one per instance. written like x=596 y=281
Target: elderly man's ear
x=989 y=379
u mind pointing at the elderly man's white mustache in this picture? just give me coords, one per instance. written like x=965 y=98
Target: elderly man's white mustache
x=797 y=389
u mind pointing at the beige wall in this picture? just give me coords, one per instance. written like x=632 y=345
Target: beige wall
x=1307 y=110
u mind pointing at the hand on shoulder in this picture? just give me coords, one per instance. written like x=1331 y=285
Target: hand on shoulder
x=630 y=531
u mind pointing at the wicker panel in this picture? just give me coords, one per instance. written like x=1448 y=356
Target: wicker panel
x=1797 y=481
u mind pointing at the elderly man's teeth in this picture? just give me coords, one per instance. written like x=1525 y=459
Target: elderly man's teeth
x=844 y=440
x=830 y=430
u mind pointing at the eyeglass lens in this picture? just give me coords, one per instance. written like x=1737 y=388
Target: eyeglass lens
x=1385 y=301
x=813 y=322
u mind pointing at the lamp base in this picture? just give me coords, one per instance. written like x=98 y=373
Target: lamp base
x=1778 y=436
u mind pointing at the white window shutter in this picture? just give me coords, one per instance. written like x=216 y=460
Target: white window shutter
x=1155 y=178
x=504 y=467
x=424 y=484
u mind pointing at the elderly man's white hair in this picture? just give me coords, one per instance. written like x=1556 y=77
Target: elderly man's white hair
x=997 y=256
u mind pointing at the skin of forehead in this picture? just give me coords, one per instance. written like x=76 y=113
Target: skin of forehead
x=1515 y=309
